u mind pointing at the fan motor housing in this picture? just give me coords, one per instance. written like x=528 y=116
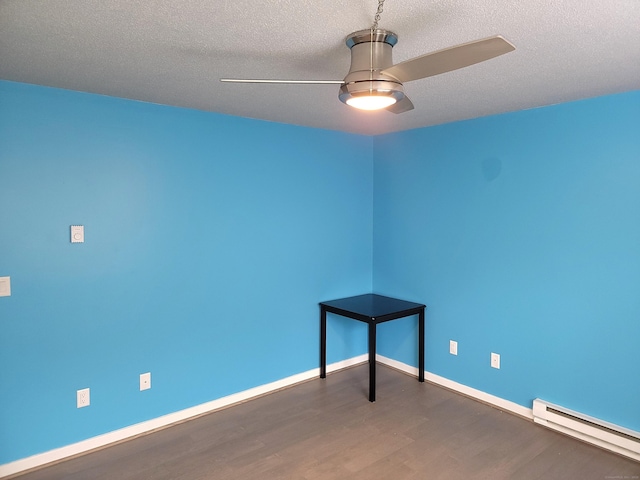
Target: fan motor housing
x=371 y=52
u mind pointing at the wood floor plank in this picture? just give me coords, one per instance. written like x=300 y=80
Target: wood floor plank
x=327 y=429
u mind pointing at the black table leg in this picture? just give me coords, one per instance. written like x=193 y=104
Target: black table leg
x=421 y=346
x=323 y=343
x=372 y=361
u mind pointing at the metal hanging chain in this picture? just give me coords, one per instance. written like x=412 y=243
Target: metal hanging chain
x=376 y=19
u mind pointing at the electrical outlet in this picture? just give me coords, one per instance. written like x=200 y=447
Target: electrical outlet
x=453 y=347
x=495 y=360
x=5 y=286
x=145 y=381
x=83 y=398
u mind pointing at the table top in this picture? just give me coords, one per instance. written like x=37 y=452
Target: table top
x=372 y=306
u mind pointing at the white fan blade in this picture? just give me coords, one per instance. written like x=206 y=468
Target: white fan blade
x=303 y=82
x=449 y=59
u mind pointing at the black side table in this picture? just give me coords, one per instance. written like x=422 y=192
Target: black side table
x=371 y=309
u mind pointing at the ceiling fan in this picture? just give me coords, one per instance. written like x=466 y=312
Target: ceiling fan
x=375 y=83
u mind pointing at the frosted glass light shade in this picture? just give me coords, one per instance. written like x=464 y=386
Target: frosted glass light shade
x=371 y=102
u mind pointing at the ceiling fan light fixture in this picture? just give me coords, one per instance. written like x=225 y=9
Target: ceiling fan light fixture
x=371 y=102
x=374 y=82
x=371 y=95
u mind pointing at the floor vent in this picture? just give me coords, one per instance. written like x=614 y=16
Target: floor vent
x=592 y=430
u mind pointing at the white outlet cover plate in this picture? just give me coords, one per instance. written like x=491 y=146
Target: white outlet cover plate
x=453 y=347
x=83 y=398
x=495 y=360
x=5 y=286
x=145 y=381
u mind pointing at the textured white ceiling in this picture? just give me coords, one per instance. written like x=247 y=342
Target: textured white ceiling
x=174 y=52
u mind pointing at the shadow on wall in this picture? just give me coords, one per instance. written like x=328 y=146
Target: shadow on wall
x=491 y=168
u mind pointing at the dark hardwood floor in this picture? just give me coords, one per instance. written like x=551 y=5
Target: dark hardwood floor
x=327 y=429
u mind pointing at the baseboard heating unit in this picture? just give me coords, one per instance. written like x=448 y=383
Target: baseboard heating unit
x=592 y=430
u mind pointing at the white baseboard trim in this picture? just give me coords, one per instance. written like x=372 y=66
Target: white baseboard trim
x=84 y=446
x=484 y=397
x=100 y=441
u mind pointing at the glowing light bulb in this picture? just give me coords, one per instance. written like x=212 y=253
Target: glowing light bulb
x=371 y=102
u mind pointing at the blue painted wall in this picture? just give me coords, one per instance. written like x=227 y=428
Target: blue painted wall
x=210 y=239
x=521 y=232
x=209 y=242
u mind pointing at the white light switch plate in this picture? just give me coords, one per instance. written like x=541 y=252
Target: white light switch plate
x=5 y=286
x=77 y=234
